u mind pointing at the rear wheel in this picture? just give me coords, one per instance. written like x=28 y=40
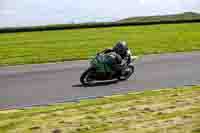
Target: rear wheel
x=86 y=78
x=127 y=73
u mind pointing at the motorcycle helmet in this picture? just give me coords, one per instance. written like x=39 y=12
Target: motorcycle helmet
x=121 y=48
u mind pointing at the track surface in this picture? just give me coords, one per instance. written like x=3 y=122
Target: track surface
x=49 y=83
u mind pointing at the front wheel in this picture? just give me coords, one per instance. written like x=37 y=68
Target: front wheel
x=127 y=73
x=86 y=78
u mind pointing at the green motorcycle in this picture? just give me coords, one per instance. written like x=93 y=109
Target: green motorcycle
x=101 y=71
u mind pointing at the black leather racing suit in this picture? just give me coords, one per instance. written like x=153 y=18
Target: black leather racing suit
x=116 y=63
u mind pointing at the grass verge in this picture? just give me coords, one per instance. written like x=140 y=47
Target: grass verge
x=52 y=46
x=172 y=110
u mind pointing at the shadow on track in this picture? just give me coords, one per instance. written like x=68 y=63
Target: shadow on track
x=97 y=84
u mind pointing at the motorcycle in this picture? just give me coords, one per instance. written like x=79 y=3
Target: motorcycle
x=91 y=74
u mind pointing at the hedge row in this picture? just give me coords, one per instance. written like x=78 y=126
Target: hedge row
x=91 y=25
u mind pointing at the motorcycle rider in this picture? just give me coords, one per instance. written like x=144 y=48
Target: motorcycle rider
x=117 y=54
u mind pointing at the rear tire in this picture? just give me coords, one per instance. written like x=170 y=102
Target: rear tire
x=84 y=79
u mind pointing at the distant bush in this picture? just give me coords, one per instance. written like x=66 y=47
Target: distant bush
x=93 y=25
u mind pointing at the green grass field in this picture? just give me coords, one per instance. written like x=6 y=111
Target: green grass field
x=62 y=45
x=175 y=110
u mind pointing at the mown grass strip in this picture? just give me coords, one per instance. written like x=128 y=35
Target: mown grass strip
x=148 y=111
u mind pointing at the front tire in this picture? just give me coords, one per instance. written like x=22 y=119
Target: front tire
x=130 y=70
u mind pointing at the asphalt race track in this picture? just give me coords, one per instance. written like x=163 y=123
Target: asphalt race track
x=22 y=86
